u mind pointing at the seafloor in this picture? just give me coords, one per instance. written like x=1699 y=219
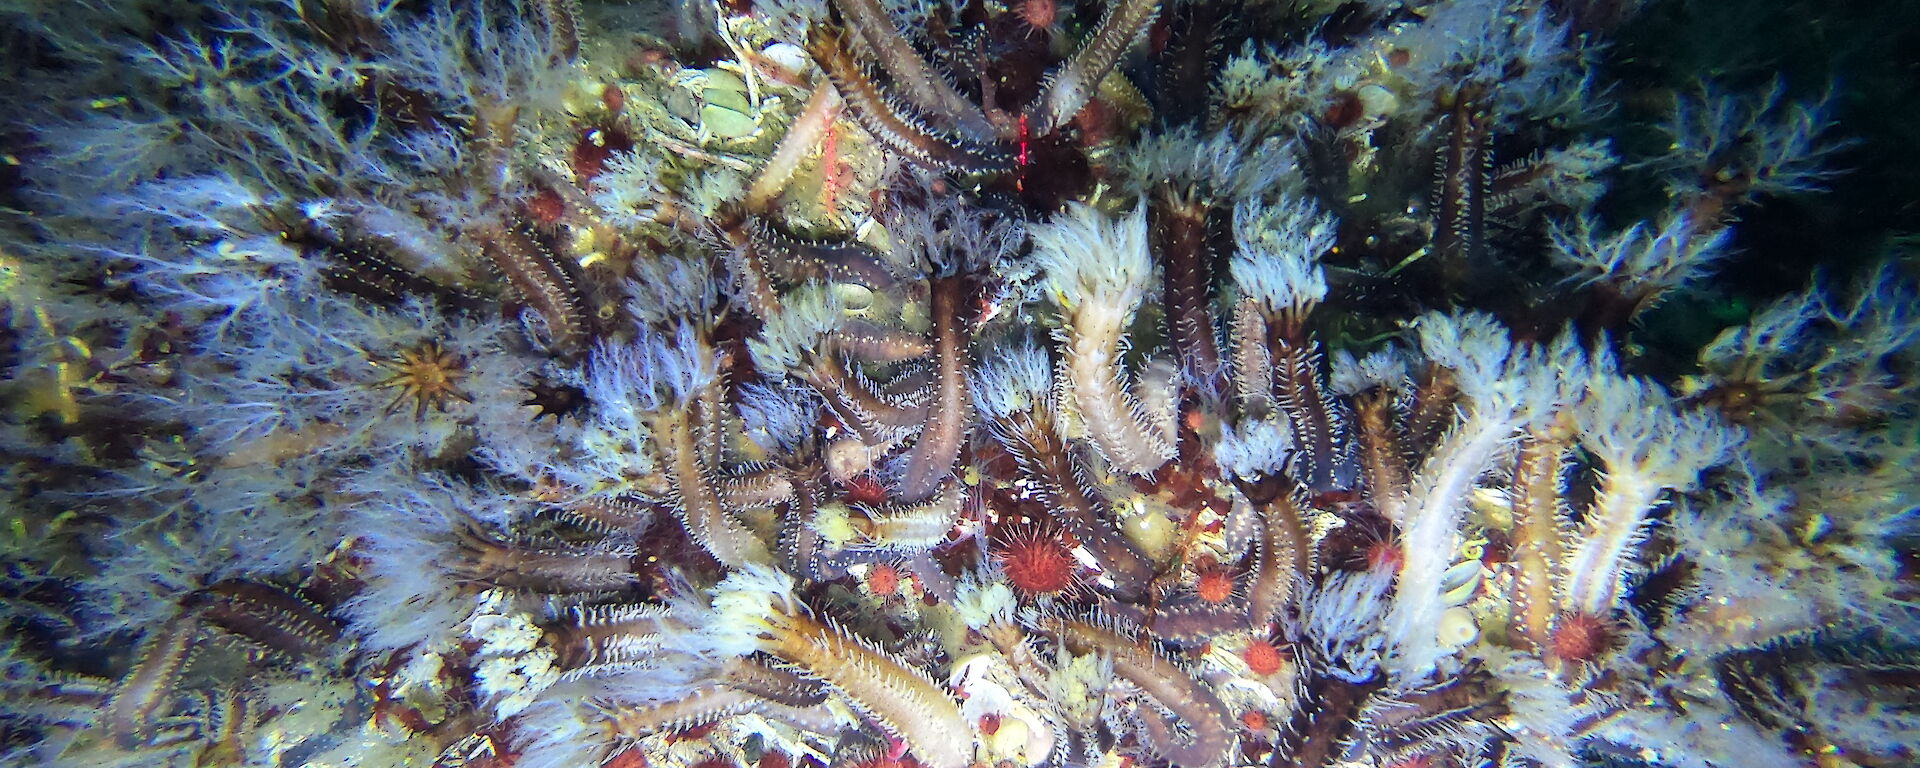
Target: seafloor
x=898 y=384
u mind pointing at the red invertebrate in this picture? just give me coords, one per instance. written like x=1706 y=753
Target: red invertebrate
x=864 y=488
x=1037 y=562
x=594 y=148
x=1262 y=657
x=1215 y=586
x=883 y=579
x=1038 y=14
x=1580 y=637
x=1254 y=720
x=546 y=207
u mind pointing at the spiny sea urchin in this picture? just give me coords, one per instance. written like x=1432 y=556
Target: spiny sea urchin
x=1036 y=560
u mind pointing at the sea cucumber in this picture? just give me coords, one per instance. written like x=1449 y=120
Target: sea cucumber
x=1321 y=460
x=276 y=619
x=1044 y=458
x=1186 y=273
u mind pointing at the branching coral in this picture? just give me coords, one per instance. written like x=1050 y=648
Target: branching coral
x=929 y=413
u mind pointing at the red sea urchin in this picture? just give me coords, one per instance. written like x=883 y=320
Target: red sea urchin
x=1215 y=585
x=1580 y=638
x=1036 y=560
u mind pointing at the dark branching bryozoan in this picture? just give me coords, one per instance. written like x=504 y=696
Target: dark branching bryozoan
x=1071 y=88
x=541 y=281
x=891 y=122
x=1461 y=173
x=1186 y=268
x=917 y=83
x=948 y=414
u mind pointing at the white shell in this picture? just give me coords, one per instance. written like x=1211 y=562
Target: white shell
x=727 y=123
x=1376 y=100
x=790 y=57
x=1460 y=582
x=1457 y=628
x=854 y=297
